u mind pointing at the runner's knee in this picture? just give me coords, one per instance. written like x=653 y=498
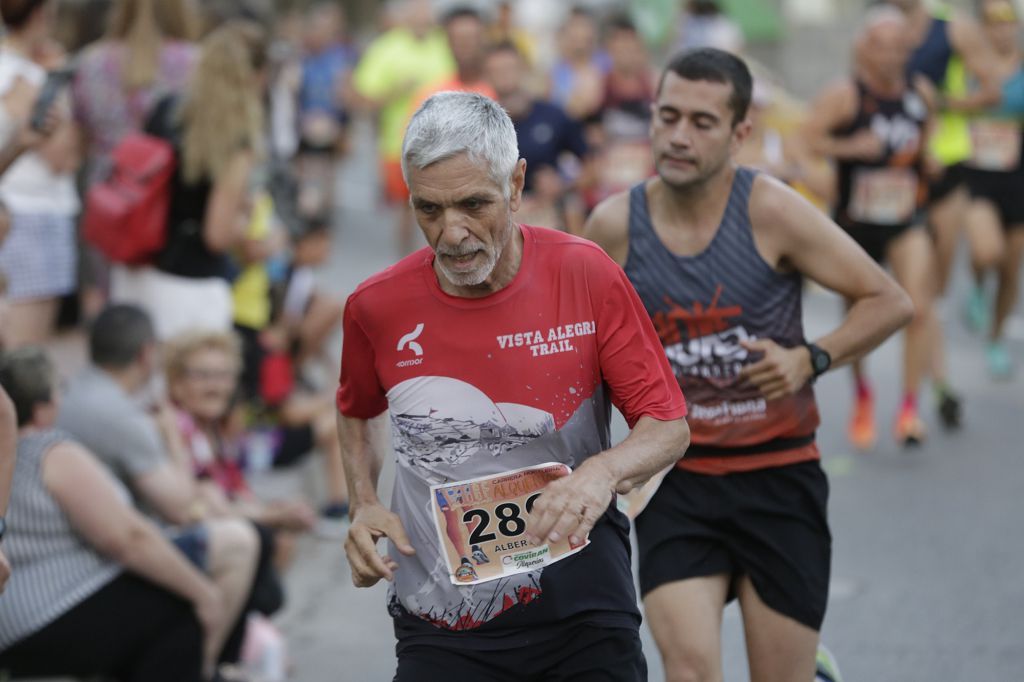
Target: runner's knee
x=688 y=665
x=233 y=542
x=986 y=254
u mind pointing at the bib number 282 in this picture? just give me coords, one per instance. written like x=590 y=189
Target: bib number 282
x=510 y=521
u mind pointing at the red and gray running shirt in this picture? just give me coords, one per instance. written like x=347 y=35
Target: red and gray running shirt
x=477 y=387
x=703 y=306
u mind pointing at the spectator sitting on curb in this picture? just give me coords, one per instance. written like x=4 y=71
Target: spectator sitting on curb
x=101 y=412
x=86 y=564
x=202 y=380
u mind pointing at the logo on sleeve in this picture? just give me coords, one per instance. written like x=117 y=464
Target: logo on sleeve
x=409 y=342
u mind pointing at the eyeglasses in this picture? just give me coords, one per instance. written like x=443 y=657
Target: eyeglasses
x=203 y=374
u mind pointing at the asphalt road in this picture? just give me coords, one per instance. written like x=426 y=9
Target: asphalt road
x=928 y=543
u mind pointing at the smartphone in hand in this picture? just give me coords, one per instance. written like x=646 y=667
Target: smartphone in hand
x=55 y=83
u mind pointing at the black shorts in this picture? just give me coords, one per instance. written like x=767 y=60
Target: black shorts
x=952 y=178
x=769 y=524
x=1004 y=190
x=583 y=653
x=875 y=239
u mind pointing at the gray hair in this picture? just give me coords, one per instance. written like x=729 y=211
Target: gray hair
x=453 y=123
x=28 y=377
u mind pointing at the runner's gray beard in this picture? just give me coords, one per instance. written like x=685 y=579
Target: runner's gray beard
x=474 y=277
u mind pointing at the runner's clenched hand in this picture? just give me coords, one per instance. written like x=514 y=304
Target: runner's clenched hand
x=570 y=506
x=864 y=145
x=369 y=524
x=780 y=372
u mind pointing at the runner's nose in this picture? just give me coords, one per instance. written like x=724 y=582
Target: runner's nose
x=455 y=227
x=681 y=137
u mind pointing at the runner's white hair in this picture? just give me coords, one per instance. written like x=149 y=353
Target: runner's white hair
x=453 y=123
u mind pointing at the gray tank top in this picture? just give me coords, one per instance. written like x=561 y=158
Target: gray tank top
x=52 y=567
x=702 y=307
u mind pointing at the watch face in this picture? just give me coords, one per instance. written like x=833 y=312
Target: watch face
x=820 y=361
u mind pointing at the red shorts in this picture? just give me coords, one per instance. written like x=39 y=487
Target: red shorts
x=394 y=184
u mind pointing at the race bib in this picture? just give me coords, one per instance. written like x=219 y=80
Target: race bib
x=995 y=145
x=481 y=524
x=884 y=196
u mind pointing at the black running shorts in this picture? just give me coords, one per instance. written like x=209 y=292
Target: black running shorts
x=875 y=239
x=952 y=178
x=769 y=524
x=1004 y=190
x=581 y=653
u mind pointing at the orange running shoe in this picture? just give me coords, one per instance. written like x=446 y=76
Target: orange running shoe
x=910 y=430
x=862 y=431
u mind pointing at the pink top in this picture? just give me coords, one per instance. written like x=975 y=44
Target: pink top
x=212 y=460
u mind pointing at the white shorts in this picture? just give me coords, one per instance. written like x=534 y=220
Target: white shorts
x=176 y=304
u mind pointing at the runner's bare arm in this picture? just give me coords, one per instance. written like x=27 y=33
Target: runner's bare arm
x=793 y=234
x=832 y=109
x=933 y=168
x=608 y=227
x=371 y=521
x=969 y=43
x=570 y=506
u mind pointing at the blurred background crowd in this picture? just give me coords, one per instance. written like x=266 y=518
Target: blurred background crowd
x=161 y=372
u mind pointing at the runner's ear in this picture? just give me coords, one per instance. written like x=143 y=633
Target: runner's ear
x=516 y=183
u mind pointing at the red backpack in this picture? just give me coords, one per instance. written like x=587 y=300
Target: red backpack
x=126 y=215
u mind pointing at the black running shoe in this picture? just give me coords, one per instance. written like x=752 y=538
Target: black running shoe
x=950 y=409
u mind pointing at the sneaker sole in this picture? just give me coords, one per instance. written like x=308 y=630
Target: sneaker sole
x=912 y=441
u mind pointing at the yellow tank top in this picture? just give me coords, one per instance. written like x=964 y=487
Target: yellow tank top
x=950 y=142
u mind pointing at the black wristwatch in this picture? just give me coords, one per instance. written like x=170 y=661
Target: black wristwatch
x=820 y=360
x=3 y=527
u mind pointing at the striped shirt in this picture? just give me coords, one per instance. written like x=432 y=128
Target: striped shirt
x=53 y=568
x=703 y=306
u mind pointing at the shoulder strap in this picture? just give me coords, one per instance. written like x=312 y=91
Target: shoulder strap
x=164 y=121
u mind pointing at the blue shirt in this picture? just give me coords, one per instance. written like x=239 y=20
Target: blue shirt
x=545 y=134
x=320 y=77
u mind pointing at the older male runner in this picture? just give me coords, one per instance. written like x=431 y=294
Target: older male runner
x=717 y=253
x=874 y=125
x=498 y=351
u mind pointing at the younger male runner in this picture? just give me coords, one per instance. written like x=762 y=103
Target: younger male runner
x=717 y=254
